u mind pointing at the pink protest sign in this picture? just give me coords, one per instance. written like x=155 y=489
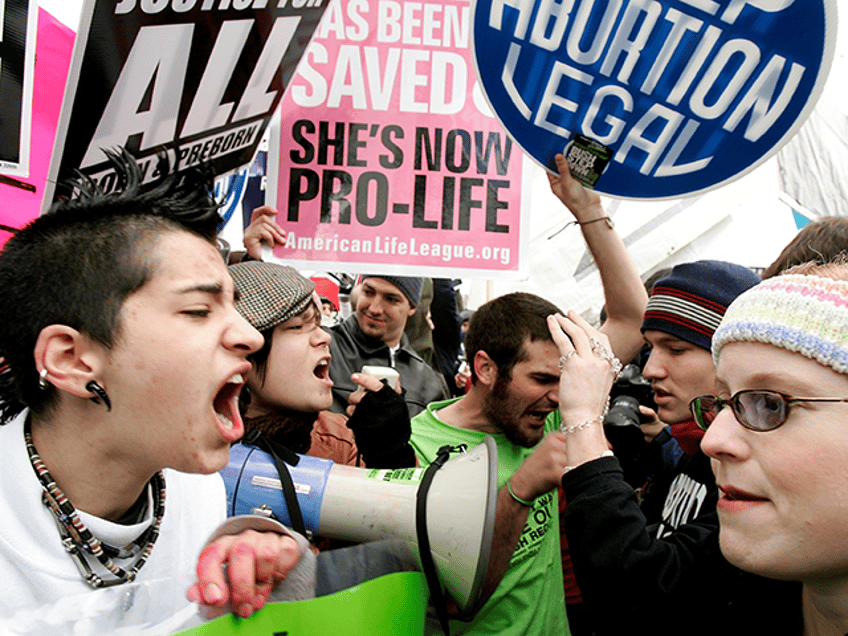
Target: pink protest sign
x=53 y=51
x=387 y=155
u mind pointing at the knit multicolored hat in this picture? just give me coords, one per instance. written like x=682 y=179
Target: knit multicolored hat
x=690 y=302
x=269 y=293
x=410 y=286
x=803 y=314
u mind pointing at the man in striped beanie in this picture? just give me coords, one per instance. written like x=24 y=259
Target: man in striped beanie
x=683 y=312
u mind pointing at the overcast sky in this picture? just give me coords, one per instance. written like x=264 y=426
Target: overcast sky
x=65 y=10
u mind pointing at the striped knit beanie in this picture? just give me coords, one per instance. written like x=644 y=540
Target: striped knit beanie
x=803 y=314
x=270 y=294
x=690 y=302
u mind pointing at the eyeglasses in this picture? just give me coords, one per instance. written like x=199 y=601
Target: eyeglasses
x=755 y=410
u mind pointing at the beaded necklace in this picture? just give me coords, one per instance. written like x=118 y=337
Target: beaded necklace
x=77 y=538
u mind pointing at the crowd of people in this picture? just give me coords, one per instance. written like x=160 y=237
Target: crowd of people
x=133 y=356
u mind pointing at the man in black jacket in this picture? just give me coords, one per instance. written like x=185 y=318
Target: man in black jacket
x=374 y=335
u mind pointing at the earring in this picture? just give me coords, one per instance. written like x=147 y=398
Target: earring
x=100 y=396
x=42 y=379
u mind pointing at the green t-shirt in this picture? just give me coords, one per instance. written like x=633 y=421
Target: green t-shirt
x=530 y=598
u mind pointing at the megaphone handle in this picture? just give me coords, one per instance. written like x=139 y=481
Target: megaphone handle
x=424 y=539
x=270 y=447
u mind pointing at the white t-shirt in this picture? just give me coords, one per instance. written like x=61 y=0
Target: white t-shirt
x=39 y=580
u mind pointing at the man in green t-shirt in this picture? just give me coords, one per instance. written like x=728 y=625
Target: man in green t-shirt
x=515 y=387
x=513 y=409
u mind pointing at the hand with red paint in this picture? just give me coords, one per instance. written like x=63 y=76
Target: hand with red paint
x=240 y=571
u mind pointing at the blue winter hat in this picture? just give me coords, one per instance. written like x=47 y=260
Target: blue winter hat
x=410 y=286
x=690 y=302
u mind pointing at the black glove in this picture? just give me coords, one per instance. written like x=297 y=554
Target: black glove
x=381 y=426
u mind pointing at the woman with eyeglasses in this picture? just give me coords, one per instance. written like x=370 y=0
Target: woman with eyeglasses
x=780 y=449
x=777 y=434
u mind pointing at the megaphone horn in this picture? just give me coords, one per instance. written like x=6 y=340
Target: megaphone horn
x=362 y=504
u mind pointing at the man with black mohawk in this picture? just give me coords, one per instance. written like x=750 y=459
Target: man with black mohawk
x=124 y=357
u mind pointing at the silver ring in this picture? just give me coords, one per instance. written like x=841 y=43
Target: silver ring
x=615 y=363
x=565 y=358
x=597 y=346
x=602 y=351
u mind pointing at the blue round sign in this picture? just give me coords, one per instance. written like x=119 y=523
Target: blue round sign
x=653 y=99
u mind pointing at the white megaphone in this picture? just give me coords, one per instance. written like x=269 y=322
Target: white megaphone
x=362 y=504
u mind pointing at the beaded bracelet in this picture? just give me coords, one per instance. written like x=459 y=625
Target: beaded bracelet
x=587 y=423
x=523 y=502
x=581 y=425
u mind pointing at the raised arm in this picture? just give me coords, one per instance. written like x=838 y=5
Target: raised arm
x=624 y=292
x=621 y=567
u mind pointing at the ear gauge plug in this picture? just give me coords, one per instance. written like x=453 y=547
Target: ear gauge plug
x=100 y=396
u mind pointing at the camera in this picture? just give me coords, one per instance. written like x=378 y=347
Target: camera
x=622 y=422
x=623 y=411
x=629 y=391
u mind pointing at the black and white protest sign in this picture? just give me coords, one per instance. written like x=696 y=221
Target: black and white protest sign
x=198 y=77
x=18 y=20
